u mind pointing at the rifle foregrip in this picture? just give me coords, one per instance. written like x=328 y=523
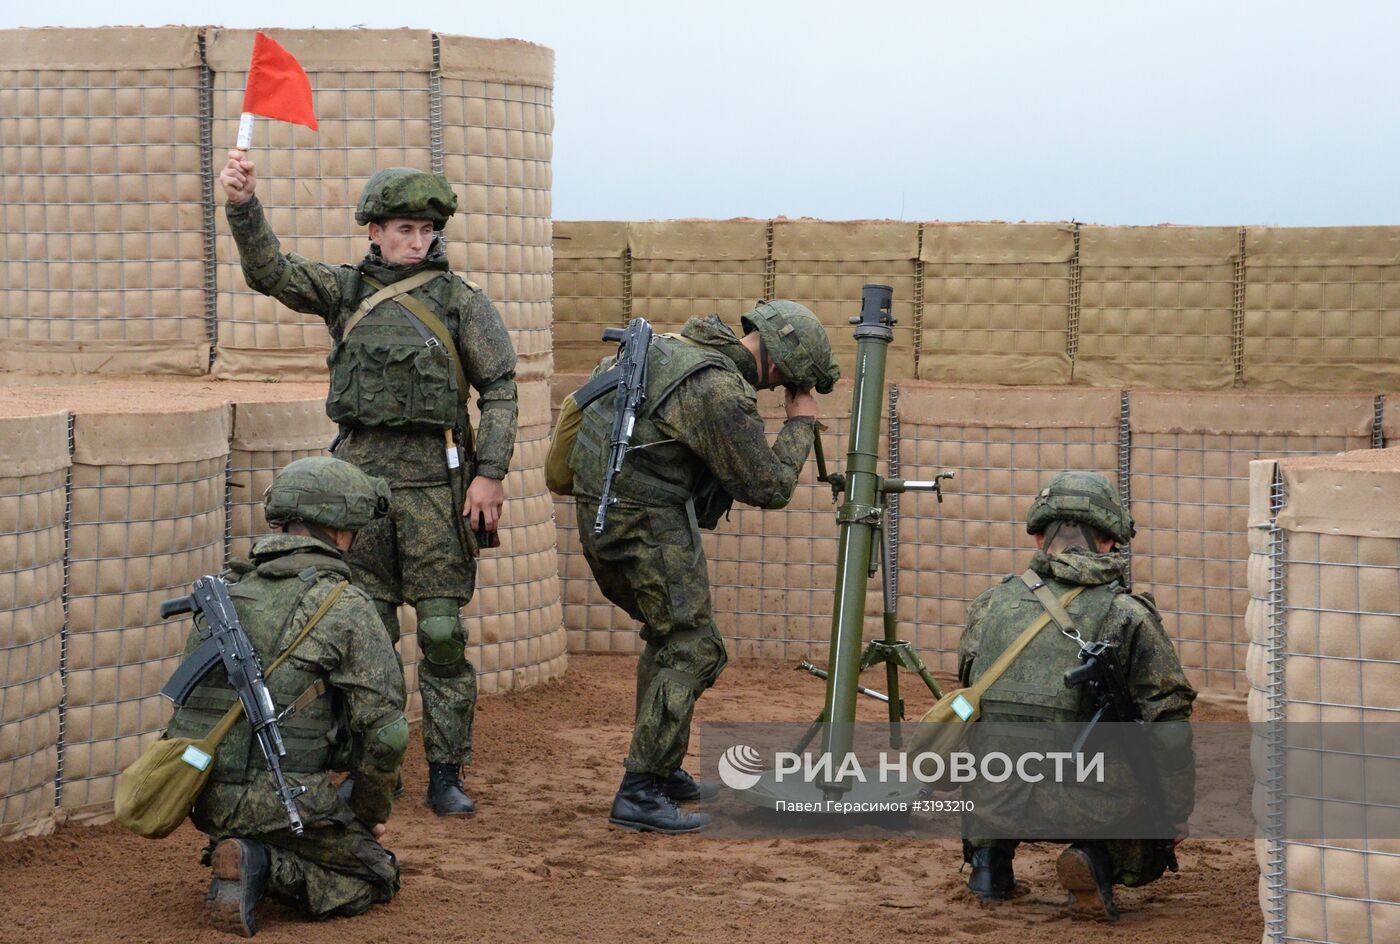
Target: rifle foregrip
x=1080 y=674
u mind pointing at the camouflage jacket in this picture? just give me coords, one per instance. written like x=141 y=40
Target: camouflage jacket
x=707 y=434
x=404 y=457
x=348 y=650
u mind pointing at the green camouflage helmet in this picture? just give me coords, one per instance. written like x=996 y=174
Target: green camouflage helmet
x=405 y=193
x=1085 y=497
x=796 y=343
x=325 y=491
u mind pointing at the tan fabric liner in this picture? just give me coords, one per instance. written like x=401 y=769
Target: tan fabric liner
x=997 y=243
x=1008 y=407
x=344 y=50
x=1261 y=485
x=1018 y=369
x=1341 y=494
x=1250 y=413
x=496 y=60
x=104 y=357
x=118 y=47
x=150 y=438
x=845 y=242
x=1322 y=245
x=1158 y=246
x=33 y=445
x=589 y=239
x=722 y=239
x=282 y=364
x=1323 y=376
x=289 y=425
x=1198 y=375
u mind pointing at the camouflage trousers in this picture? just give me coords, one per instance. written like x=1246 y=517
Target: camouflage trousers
x=415 y=554
x=1135 y=861
x=334 y=868
x=650 y=563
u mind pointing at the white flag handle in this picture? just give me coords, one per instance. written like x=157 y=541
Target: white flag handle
x=245 y=131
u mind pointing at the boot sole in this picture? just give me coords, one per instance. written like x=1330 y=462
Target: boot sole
x=225 y=902
x=449 y=815
x=1076 y=876
x=649 y=828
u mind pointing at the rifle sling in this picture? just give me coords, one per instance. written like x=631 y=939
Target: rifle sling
x=1052 y=606
x=230 y=718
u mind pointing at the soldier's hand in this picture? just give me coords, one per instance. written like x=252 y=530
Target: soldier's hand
x=799 y=403
x=485 y=496
x=378 y=830
x=237 y=178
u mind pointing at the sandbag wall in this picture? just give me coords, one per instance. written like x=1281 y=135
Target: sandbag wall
x=1324 y=646
x=1171 y=307
x=119 y=258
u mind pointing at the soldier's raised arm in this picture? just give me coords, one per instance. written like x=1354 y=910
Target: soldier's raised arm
x=312 y=288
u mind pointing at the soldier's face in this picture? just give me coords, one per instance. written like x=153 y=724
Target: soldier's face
x=402 y=242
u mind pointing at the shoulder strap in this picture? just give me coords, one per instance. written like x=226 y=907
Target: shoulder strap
x=386 y=293
x=425 y=317
x=1047 y=599
x=231 y=716
x=1011 y=652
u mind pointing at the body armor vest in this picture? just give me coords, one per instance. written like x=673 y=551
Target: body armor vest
x=388 y=372
x=1033 y=687
x=658 y=470
x=270 y=606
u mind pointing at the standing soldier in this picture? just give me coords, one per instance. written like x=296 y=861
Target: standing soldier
x=1080 y=525
x=698 y=445
x=347 y=690
x=407 y=337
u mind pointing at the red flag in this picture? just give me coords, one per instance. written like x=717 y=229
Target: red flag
x=277 y=85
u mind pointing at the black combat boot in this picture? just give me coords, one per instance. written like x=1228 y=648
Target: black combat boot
x=1086 y=873
x=643 y=805
x=683 y=788
x=445 y=794
x=992 y=877
x=241 y=868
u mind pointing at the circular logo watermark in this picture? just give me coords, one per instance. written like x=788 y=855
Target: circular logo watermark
x=740 y=767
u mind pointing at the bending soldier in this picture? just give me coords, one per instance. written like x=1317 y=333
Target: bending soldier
x=408 y=337
x=698 y=445
x=1080 y=526
x=349 y=691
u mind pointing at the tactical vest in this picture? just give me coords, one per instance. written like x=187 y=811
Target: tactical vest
x=658 y=470
x=1033 y=687
x=388 y=372
x=269 y=602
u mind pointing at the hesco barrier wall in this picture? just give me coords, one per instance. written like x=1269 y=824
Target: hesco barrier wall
x=118 y=255
x=1181 y=458
x=119 y=502
x=1199 y=308
x=1324 y=627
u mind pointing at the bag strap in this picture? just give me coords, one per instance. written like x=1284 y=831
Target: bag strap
x=230 y=718
x=1047 y=599
x=424 y=317
x=386 y=293
x=1013 y=651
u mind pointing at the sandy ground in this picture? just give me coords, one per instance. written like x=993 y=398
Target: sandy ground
x=539 y=863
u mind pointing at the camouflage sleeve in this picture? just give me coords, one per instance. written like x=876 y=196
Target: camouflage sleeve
x=1159 y=687
x=716 y=415
x=971 y=639
x=311 y=288
x=352 y=648
x=490 y=367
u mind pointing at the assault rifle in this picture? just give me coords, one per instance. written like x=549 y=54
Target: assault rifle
x=227 y=644
x=1101 y=671
x=634 y=341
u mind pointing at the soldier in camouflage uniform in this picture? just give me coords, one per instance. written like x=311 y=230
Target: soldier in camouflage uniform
x=698 y=445
x=1080 y=526
x=349 y=690
x=400 y=397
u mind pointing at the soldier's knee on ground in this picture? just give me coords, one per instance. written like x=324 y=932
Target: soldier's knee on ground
x=389 y=616
x=387 y=745
x=442 y=637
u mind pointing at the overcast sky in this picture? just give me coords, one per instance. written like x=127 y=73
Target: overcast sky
x=1185 y=111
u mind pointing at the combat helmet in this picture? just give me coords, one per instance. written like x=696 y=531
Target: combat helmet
x=402 y=192
x=323 y=491
x=796 y=342
x=1085 y=497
